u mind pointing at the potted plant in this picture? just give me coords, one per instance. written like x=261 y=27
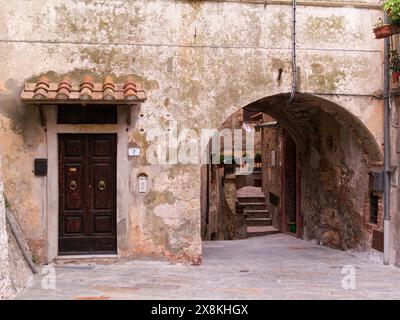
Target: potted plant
x=392 y=8
x=228 y=162
x=258 y=159
x=222 y=159
x=395 y=66
x=384 y=30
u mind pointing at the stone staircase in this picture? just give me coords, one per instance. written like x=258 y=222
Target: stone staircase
x=258 y=219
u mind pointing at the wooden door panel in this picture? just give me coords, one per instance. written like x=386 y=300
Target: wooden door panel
x=102 y=194
x=74 y=225
x=103 y=244
x=74 y=147
x=103 y=186
x=73 y=186
x=102 y=224
x=87 y=174
x=102 y=147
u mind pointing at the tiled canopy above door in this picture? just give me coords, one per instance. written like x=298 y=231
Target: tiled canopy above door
x=85 y=91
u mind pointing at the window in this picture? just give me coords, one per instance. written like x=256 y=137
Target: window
x=72 y=114
x=373 y=209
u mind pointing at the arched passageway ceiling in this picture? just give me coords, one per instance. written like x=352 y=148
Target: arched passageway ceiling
x=303 y=115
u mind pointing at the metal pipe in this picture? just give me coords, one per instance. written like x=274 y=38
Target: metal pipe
x=386 y=163
x=207 y=198
x=294 y=58
x=20 y=245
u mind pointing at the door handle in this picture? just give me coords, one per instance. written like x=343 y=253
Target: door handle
x=102 y=185
x=73 y=185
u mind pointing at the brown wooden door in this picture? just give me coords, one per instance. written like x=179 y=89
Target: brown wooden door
x=87 y=193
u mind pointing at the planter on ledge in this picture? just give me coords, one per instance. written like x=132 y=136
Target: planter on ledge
x=396 y=77
x=386 y=30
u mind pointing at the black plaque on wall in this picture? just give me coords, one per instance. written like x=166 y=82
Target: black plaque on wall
x=40 y=167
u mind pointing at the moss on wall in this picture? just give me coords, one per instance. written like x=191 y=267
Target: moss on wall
x=199 y=61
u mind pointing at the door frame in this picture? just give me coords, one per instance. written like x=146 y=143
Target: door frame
x=50 y=214
x=299 y=216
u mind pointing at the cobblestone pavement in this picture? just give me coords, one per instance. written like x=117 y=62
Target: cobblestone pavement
x=271 y=267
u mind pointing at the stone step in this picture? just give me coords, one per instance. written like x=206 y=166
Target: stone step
x=256 y=214
x=253 y=205
x=254 y=222
x=253 y=231
x=251 y=199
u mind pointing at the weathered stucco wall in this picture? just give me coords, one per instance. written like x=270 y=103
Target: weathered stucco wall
x=335 y=180
x=335 y=187
x=271 y=142
x=199 y=61
x=14 y=271
x=5 y=283
x=224 y=221
x=395 y=191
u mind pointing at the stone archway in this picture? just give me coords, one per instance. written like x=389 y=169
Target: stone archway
x=336 y=155
x=306 y=109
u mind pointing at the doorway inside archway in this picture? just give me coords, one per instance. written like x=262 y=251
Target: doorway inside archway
x=289 y=185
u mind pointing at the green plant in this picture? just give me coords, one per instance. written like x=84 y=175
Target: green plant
x=394 y=61
x=7 y=204
x=392 y=8
x=221 y=158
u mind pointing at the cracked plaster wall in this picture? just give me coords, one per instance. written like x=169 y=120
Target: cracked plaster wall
x=200 y=61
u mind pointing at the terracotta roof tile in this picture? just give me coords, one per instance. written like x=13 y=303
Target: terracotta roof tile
x=130 y=91
x=64 y=89
x=86 y=88
x=87 y=91
x=108 y=88
x=41 y=89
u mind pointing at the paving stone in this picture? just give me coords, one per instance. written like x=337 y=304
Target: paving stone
x=279 y=267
